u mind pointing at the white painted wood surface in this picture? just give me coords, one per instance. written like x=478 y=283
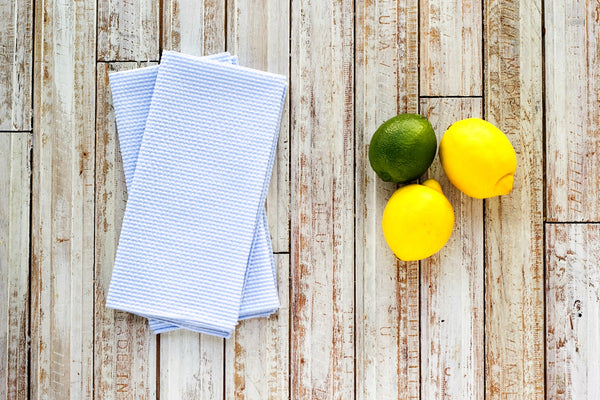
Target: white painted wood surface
x=192 y=365
x=257 y=355
x=62 y=305
x=387 y=291
x=573 y=311
x=451 y=47
x=258 y=33
x=514 y=292
x=194 y=27
x=355 y=322
x=572 y=117
x=322 y=206
x=124 y=347
x=14 y=263
x=128 y=30
x=16 y=20
x=452 y=329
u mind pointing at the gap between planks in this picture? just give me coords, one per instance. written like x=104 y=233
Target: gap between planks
x=572 y=222
x=451 y=97
x=126 y=61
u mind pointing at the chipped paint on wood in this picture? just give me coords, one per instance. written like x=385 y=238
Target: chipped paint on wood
x=572 y=120
x=16 y=18
x=257 y=356
x=194 y=26
x=124 y=346
x=191 y=366
x=387 y=292
x=14 y=264
x=322 y=220
x=573 y=311
x=128 y=30
x=62 y=304
x=514 y=315
x=451 y=57
x=452 y=339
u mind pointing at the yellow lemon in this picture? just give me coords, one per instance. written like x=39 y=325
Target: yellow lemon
x=417 y=221
x=478 y=158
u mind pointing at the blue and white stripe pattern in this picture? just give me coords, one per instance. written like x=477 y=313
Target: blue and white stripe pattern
x=132 y=92
x=195 y=205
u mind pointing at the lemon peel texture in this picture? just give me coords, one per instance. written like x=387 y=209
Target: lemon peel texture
x=478 y=158
x=417 y=221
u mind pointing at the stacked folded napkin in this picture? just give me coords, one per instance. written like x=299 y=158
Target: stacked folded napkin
x=197 y=137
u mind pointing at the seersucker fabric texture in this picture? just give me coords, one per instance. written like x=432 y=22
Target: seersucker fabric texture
x=132 y=92
x=196 y=195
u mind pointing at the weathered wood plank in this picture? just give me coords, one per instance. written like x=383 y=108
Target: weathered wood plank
x=451 y=56
x=257 y=355
x=14 y=263
x=124 y=347
x=322 y=222
x=572 y=119
x=194 y=26
x=452 y=339
x=513 y=223
x=63 y=200
x=191 y=365
x=573 y=311
x=16 y=44
x=387 y=292
x=258 y=33
x=128 y=30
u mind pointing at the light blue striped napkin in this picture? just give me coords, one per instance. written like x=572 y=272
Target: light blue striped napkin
x=195 y=204
x=132 y=92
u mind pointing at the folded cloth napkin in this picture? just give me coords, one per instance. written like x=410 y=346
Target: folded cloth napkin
x=132 y=92
x=196 y=198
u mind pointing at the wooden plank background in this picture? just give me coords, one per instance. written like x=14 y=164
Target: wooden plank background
x=507 y=310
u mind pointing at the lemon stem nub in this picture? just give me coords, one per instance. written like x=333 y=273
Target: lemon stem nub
x=504 y=184
x=433 y=184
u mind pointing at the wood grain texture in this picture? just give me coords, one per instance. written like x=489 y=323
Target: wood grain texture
x=573 y=311
x=194 y=27
x=124 y=347
x=322 y=221
x=451 y=37
x=572 y=119
x=452 y=328
x=16 y=42
x=257 y=355
x=14 y=263
x=387 y=291
x=258 y=33
x=513 y=223
x=63 y=201
x=128 y=30
x=192 y=365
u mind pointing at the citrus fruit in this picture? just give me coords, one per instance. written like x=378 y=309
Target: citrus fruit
x=417 y=221
x=402 y=148
x=478 y=158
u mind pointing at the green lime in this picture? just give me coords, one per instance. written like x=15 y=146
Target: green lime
x=402 y=148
